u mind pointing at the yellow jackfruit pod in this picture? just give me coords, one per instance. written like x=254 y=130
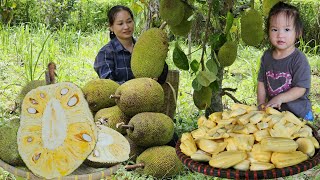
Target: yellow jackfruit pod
x=238 y=106
x=251 y=128
x=257 y=117
x=188 y=145
x=292 y=128
x=278 y=144
x=281 y=160
x=231 y=145
x=274 y=118
x=250 y=157
x=305 y=131
x=262 y=125
x=243 y=141
x=314 y=141
x=289 y=116
x=225 y=122
x=201 y=156
x=216 y=116
x=227 y=159
x=210 y=146
x=240 y=129
x=244 y=119
x=243 y=165
x=279 y=130
x=199 y=133
x=237 y=112
x=259 y=166
x=271 y=110
x=306 y=146
x=225 y=114
x=259 y=135
x=217 y=136
x=201 y=120
x=259 y=155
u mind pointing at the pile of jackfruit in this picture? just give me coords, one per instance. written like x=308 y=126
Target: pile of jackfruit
x=245 y=138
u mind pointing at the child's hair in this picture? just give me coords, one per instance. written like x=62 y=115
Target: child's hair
x=112 y=15
x=291 y=12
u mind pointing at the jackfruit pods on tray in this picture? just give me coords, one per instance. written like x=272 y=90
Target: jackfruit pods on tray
x=245 y=138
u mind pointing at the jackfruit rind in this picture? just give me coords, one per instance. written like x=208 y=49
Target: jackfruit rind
x=57 y=131
x=111 y=148
x=149 y=54
x=252 y=27
x=160 y=162
x=28 y=87
x=97 y=92
x=111 y=117
x=202 y=98
x=140 y=95
x=172 y=11
x=267 y=5
x=184 y=27
x=227 y=53
x=151 y=129
x=8 y=140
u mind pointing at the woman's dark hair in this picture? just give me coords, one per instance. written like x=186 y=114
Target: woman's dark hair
x=112 y=15
x=291 y=12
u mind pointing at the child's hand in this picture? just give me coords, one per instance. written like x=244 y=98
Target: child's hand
x=274 y=102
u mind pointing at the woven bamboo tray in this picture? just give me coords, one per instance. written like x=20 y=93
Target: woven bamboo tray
x=82 y=173
x=231 y=173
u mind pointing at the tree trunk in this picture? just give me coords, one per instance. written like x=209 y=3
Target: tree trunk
x=216 y=99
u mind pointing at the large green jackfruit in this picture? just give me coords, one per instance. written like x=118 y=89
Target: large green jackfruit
x=160 y=162
x=149 y=54
x=97 y=93
x=151 y=129
x=184 y=27
x=110 y=117
x=202 y=98
x=252 y=27
x=227 y=53
x=172 y=11
x=8 y=142
x=267 y=5
x=139 y=95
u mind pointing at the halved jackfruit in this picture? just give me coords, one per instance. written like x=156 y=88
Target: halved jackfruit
x=56 y=131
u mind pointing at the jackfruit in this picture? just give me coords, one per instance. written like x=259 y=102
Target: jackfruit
x=306 y=146
x=135 y=150
x=227 y=53
x=111 y=148
x=267 y=5
x=184 y=27
x=202 y=98
x=149 y=54
x=97 y=92
x=252 y=27
x=281 y=160
x=28 y=87
x=172 y=11
x=150 y=129
x=278 y=144
x=110 y=117
x=9 y=148
x=139 y=95
x=227 y=159
x=56 y=131
x=160 y=162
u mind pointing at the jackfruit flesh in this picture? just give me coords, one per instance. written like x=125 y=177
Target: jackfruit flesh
x=140 y=95
x=202 y=98
x=149 y=54
x=8 y=140
x=111 y=148
x=56 y=131
x=28 y=87
x=97 y=93
x=151 y=129
x=160 y=162
x=252 y=27
x=227 y=53
x=110 y=117
x=172 y=11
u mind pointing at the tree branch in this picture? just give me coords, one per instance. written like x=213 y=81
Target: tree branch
x=204 y=42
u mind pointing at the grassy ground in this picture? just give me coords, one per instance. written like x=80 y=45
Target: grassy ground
x=25 y=54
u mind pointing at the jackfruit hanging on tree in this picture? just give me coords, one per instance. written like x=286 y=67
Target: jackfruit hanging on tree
x=227 y=53
x=172 y=11
x=202 y=98
x=267 y=5
x=184 y=27
x=252 y=27
x=56 y=132
x=149 y=54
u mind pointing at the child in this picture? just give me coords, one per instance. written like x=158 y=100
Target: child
x=284 y=77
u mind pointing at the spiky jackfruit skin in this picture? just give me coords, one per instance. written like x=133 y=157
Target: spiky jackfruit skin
x=135 y=150
x=252 y=27
x=140 y=95
x=57 y=130
x=97 y=93
x=202 y=98
x=267 y=5
x=8 y=142
x=151 y=129
x=112 y=116
x=160 y=162
x=227 y=53
x=149 y=54
x=184 y=27
x=172 y=11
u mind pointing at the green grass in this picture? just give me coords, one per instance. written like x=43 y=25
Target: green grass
x=26 y=50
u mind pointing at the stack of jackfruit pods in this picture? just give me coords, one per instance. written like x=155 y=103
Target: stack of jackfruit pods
x=244 y=138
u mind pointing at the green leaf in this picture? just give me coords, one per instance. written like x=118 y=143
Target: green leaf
x=214 y=86
x=195 y=66
x=195 y=85
x=217 y=40
x=212 y=66
x=229 y=22
x=179 y=58
x=205 y=78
